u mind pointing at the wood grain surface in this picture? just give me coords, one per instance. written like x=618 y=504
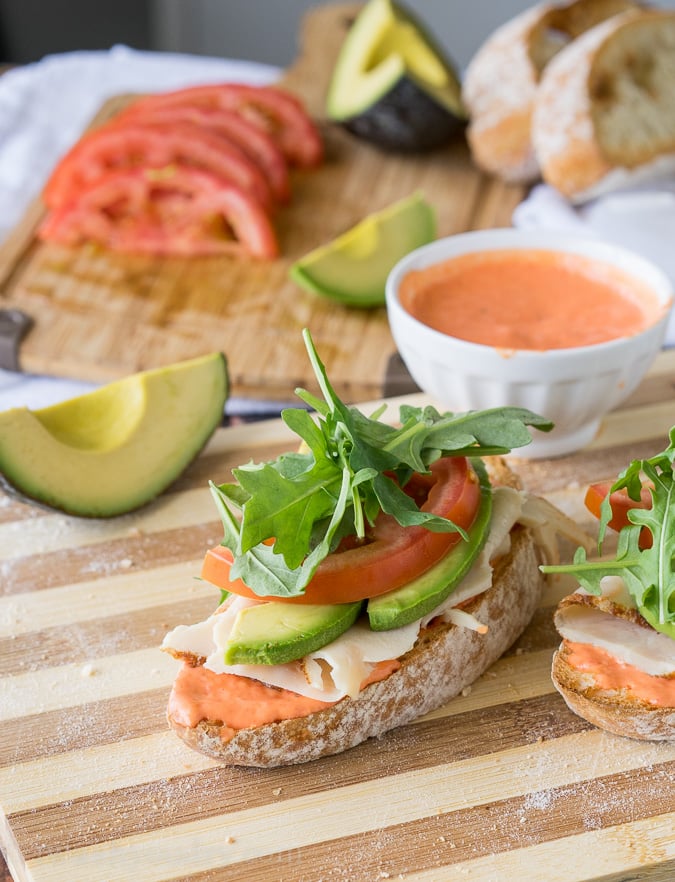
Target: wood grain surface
x=99 y=315
x=502 y=783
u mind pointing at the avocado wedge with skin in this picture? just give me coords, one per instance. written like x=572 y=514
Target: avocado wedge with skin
x=116 y=448
x=393 y=85
x=353 y=268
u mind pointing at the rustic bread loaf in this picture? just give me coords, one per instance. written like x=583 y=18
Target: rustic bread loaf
x=501 y=81
x=614 y=710
x=444 y=660
x=604 y=111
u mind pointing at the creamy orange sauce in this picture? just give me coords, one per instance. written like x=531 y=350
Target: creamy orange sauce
x=529 y=299
x=611 y=673
x=241 y=703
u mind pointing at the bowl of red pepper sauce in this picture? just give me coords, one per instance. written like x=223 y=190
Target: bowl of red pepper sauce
x=561 y=324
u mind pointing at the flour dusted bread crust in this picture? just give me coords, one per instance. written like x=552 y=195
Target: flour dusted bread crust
x=445 y=660
x=501 y=81
x=614 y=710
x=604 y=112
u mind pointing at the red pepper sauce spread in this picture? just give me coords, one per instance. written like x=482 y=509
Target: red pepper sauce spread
x=529 y=299
x=611 y=673
x=241 y=702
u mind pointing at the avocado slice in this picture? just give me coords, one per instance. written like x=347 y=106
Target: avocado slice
x=422 y=595
x=392 y=84
x=353 y=268
x=275 y=633
x=116 y=448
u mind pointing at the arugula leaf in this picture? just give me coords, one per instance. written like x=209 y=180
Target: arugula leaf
x=293 y=511
x=648 y=572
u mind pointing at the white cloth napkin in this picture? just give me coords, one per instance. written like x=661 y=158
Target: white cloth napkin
x=642 y=219
x=44 y=107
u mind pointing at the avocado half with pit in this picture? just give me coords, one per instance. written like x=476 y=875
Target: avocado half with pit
x=393 y=85
x=114 y=449
x=353 y=268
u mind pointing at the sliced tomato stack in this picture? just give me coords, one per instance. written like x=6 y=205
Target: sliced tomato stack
x=198 y=171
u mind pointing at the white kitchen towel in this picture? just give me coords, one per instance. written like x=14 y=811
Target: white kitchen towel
x=641 y=218
x=45 y=106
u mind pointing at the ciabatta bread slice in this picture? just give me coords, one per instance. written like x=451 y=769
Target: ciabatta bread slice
x=502 y=78
x=612 y=625
x=445 y=659
x=604 y=113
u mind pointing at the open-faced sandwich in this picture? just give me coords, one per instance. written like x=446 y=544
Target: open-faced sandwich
x=616 y=664
x=367 y=579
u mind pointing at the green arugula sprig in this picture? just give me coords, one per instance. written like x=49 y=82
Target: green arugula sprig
x=647 y=572
x=353 y=468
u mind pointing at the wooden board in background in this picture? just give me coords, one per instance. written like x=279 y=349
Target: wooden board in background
x=502 y=783
x=99 y=316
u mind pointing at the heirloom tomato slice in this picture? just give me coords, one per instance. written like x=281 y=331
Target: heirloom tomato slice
x=254 y=141
x=178 y=210
x=391 y=555
x=114 y=147
x=274 y=110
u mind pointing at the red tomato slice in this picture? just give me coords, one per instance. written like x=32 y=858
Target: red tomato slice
x=254 y=141
x=173 y=211
x=621 y=504
x=114 y=147
x=274 y=110
x=394 y=555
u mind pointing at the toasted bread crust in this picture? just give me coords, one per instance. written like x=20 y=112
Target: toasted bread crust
x=444 y=661
x=616 y=711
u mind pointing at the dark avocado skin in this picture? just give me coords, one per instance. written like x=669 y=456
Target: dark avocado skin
x=405 y=120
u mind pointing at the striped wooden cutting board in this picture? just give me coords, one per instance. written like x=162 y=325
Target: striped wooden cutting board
x=503 y=783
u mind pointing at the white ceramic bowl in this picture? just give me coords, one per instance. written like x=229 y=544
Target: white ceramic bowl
x=573 y=387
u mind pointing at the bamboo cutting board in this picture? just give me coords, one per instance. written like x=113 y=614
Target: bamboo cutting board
x=502 y=783
x=98 y=316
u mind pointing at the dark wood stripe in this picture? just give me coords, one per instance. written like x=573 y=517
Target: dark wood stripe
x=88 y=725
x=443 y=840
x=547 y=476
x=89 y=640
x=222 y=790
x=132 y=553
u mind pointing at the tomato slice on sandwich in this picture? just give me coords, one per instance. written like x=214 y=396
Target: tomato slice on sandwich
x=621 y=504
x=391 y=555
x=172 y=211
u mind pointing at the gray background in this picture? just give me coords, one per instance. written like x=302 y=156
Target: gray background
x=258 y=30
x=264 y=30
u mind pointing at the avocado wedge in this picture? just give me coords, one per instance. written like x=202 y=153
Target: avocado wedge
x=392 y=84
x=419 y=597
x=116 y=448
x=353 y=268
x=276 y=633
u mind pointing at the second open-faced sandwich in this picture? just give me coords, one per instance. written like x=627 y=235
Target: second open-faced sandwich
x=616 y=664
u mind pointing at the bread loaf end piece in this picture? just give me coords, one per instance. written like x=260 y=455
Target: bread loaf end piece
x=604 y=113
x=502 y=79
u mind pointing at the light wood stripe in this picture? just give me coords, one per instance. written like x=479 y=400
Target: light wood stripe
x=637 y=850
x=197 y=846
x=54 y=531
x=41 y=691
x=119 y=594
